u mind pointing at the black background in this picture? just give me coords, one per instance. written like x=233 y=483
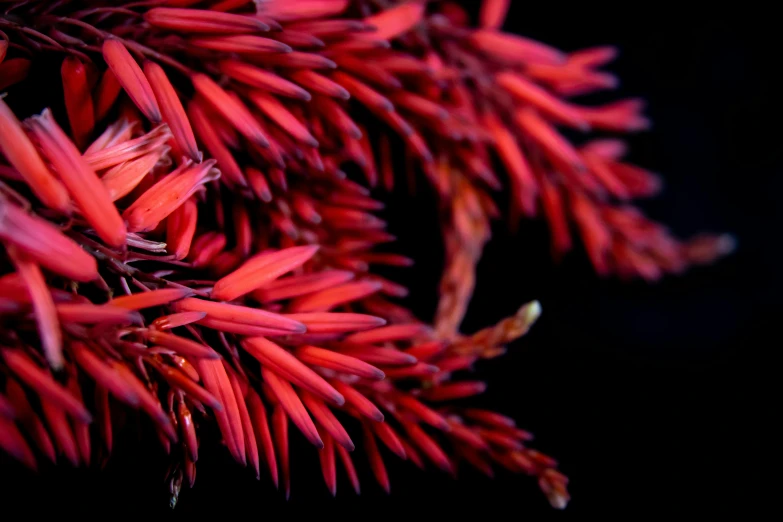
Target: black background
x=650 y=396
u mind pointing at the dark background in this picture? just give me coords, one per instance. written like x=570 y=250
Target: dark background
x=650 y=396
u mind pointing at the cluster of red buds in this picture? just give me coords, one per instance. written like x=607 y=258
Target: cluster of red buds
x=188 y=227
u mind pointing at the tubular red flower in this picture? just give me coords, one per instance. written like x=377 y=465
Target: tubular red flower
x=428 y=446
x=297 y=60
x=43 y=242
x=179 y=380
x=326 y=418
x=37 y=379
x=261 y=428
x=397 y=332
x=358 y=401
x=78 y=102
x=180 y=228
x=493 y=13
x=104 y=374
x=515 y=49
x=275 y=111
x=32 y=424
x=292 y=405
x=151 y=298
x=168 y=195
x=376 y=461
x=228 y=417
x=261 y=79
x=12 y=441
x=43 y=307
x=328 y=464
x=3 y=46
x=122 y=179
x=338 y=362
x=247 y=425
x=203 y=21
x=326 y=322
x=239 y=314
x=390 y=438
x=181 y=345
x=397 y=20
x=119 y=150
x=106 y=93
x=172 y=109
x=20 y=152
x=242 y=44
x=230 y=171
x=131 y=78
x=81 y=181
x=261 y=269
x=230 y=108
x=325 y=300
x=321 y=84
x=87 y=313
x=285 y=363
x=304 y=9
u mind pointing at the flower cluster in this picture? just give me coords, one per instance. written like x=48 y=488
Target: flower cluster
x=183 y=234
